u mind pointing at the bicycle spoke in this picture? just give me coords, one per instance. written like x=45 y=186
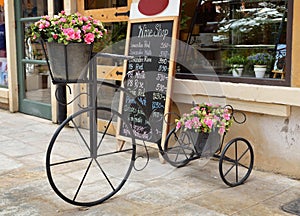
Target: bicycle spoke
x=236 y=166
x=69 y=161
x=104 y=133
x=84 y=176
x=105 y=175
x=80 y=134
x=115 y=152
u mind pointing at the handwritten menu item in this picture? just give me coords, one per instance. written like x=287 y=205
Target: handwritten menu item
x=146 y=79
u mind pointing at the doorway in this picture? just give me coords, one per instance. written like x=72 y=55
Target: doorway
x=33 y=73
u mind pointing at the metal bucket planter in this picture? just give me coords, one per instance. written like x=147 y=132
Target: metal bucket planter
x=68 y=63
x=206 y=144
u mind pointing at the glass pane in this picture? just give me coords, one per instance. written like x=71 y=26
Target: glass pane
x=98 y=4
x=231 y=31
x=37 y=83
x=3 y=73
x=58 y=6
x=34 y=8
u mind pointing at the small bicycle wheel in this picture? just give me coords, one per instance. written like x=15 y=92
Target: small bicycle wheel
x=85 y=168
x=178 y=148
x=236 y=162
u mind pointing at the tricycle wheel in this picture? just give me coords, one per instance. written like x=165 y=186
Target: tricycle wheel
x=236 y=162
x=178 y=148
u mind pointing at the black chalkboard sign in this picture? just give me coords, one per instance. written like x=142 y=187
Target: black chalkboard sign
x=146 y=79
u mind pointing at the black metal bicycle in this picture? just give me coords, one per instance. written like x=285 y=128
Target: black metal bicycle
x=86 y=164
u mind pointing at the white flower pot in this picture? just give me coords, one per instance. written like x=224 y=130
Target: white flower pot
x=260 y=71
x=237 y=70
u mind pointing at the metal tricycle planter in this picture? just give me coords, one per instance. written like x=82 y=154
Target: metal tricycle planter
x=95 y=170
x=236 y=158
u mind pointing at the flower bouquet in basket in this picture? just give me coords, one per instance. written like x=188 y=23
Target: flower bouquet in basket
x=63 y=28
x=204 y=124
x=69 y=40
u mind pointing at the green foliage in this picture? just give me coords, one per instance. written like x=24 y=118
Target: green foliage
x=237 y=59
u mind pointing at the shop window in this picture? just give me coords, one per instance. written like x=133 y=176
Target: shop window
x=232 y=31
x=94 y=4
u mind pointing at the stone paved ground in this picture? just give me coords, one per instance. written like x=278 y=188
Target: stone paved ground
x=159 y=189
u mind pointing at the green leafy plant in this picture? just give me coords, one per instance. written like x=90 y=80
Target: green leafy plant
x=237 y=60
x=63 y=28
x=205 y=117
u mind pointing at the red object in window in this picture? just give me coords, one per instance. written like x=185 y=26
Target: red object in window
x=152 y=7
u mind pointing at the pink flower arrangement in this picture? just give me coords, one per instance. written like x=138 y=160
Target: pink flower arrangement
x=66 y=29
x=206 y=117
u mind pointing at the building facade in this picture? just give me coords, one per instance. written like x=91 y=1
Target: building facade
x=237 y=28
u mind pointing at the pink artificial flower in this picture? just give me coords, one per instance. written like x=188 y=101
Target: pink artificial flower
x=41 y=26
x=221 y=130
x=47 y=24
x=208 y=122
x=85 y=19
x=77 y=35
x=89 y=38
x=80 y=19
x=70 y=33
x=188 y=124
x=55 y=36
x=62 y=19
x=96 y=22
x=226 y=116
x=63 y=12
x=86 y=27
x=46 y=17
x=194 y=112
x=178 y=125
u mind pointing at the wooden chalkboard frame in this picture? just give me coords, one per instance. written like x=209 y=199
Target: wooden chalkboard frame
x=171 y=72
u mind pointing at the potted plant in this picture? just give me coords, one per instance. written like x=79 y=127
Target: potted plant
x=69 y=40
x=236 y=63
x=205 y=121
x=260 y=62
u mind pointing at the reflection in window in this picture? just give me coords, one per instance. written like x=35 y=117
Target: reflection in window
x=34 y=8
x=231 y=31
x=33 y=50
x=58 y=6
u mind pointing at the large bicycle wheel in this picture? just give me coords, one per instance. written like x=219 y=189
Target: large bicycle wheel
x=236 y=162
x=87 y=168
x=178 y=148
